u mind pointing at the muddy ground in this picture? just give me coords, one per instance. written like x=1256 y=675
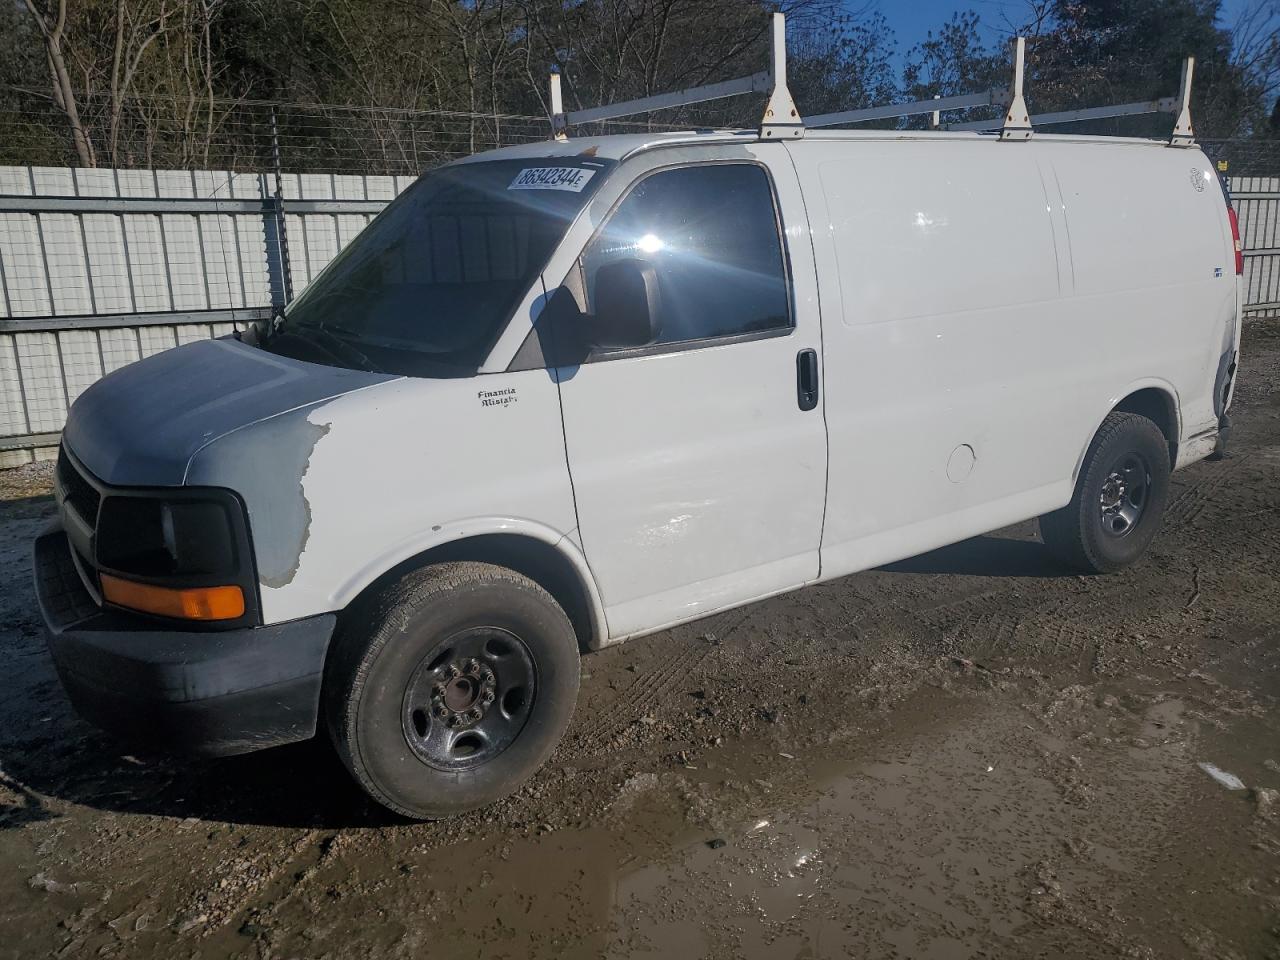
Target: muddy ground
x=970 y=754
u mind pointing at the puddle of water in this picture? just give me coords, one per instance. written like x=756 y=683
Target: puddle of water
x=970 y=840
x=849 y=864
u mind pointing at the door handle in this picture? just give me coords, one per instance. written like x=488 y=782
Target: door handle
x=807 y=379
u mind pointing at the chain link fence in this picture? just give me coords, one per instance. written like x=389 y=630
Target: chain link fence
x=197 y=134
x=161 y=133
x=1253 y=157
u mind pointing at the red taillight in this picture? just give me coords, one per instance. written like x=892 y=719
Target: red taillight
x=1235 y=239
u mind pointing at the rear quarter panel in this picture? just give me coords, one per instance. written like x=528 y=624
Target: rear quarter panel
x=1004 y=297
x=1152 y=269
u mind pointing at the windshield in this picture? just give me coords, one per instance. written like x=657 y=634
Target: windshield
x=427 y=287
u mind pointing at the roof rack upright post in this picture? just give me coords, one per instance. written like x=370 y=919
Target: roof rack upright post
x=1017 y=120
x=559 y=122
x=781 y=118
x=1183 y=135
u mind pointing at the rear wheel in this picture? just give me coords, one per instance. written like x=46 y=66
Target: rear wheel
x=454 y=690
x=1119 y=499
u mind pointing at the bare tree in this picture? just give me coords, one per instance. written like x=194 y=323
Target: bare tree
x=137 y=26
x=1255 y=52
x=52 y=24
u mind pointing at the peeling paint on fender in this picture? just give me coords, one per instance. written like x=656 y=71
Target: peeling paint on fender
x=278 y=561
x=266 y=465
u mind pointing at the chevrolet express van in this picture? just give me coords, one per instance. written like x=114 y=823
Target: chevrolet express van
x=563 y=394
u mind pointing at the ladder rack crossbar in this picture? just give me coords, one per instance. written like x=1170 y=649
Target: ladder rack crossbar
x=756 y=83
x=782 y=119
x=1164 y=105
x=891 y=110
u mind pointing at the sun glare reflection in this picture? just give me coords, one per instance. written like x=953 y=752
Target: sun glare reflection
x=650 y=243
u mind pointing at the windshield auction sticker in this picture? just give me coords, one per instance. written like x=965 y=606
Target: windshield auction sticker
x=572 y=179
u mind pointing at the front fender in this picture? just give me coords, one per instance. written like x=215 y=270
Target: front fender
x=442 y=535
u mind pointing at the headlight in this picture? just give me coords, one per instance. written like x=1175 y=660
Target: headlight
x=182 y=554
x=159 y=538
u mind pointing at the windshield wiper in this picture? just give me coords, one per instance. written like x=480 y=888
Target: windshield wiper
x=321 y=336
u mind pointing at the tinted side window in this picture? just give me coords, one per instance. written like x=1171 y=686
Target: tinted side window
x=711 y=235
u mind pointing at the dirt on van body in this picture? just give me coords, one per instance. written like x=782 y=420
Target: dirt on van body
x=970 y=754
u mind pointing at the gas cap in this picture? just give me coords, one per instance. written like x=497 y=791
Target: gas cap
x=961 y=463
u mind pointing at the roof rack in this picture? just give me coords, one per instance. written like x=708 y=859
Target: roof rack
x=781 y=119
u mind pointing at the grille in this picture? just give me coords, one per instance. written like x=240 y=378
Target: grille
x=77 y=490
x=61 y=587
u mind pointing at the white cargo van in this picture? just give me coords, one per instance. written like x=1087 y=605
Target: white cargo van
x=563 y=394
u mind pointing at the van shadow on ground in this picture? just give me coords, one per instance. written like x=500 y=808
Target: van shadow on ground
x=302 y=785
x=986 y=556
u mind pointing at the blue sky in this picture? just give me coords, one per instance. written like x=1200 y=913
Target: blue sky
x=912 y=19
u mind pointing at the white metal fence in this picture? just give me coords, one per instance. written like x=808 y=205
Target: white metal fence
x=1257 y=202
x=101 y=267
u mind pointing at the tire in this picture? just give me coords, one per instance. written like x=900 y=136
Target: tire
x=1119 y=499
x=409 y=672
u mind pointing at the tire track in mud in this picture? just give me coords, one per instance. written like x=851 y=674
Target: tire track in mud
x=946 y=619
x=1057 y=619
x=1197 y=494
x=243 y=882
x=651 y=688
x=645 y=694
x=1223 y=521
x=990 y=620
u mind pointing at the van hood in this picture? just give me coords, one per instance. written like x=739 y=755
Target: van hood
x=141 y=425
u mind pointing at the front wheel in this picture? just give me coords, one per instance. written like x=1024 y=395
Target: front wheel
x=455 y=691
x=1119 y=498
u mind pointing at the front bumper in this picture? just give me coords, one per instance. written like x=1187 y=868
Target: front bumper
x=207 y=692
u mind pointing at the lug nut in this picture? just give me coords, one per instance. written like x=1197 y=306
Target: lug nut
x=441 y=710
x=452 y=671
x=488 y=696
x=475 y=713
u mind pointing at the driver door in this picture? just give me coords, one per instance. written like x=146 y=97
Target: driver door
x=699 y=460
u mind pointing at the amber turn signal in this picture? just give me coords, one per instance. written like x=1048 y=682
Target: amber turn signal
x=186 y=603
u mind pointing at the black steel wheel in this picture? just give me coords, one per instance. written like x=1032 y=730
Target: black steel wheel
x=469 y=698
x=451 y=689
x=1124 y=495
x=1119 y=497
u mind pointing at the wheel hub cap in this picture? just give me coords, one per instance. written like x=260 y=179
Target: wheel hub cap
x=1124 y=495
x=465 y=693
x=469 y=698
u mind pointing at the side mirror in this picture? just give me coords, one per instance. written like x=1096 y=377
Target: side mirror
x=626 y=305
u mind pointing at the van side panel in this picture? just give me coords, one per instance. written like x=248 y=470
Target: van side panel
x=941 y=291
x=1153 y=268
x=984 y=306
